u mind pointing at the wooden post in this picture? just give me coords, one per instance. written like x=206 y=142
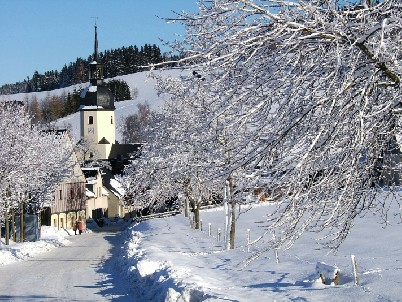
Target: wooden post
x=277 y=256
x=219 y=234
x=355 y=272
x=275 y=249
x=201 y=225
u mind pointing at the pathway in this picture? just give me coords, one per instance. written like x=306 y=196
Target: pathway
x=82 y=271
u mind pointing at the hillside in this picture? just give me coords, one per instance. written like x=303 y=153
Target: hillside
x=139 y=81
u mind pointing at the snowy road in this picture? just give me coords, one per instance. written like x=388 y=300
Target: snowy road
x=81 y=271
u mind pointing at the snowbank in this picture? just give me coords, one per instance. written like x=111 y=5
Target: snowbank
x=50 y=239
x=156 y=280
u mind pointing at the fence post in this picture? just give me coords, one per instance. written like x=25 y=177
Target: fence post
x=276 y=256
x=201 y=225
x=355 y=273
x=209 y=229
x=219 y=234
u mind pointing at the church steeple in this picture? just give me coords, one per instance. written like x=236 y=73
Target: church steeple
x=97 y=118
x=97 y=93
x=96 y=44
x=95 y=67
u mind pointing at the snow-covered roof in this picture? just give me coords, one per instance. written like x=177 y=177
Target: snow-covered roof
x=89 y=193
x=91 y=180
x=89 y=107
x=118 y=189
x=105 y=192
x=90 y=168
x=89 y=88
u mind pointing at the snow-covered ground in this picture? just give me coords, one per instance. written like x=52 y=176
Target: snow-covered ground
x=166 y=260
x=177 y=261
x=50 y=239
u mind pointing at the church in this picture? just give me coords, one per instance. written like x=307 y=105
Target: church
x=98 y=129
x=97 y=118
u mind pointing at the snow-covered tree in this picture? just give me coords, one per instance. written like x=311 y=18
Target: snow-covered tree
x=317 y=82
x=32 y=162
x=133 y=126
x=187 y=154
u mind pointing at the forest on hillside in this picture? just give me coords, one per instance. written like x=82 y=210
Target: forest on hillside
x=121 y=61
x=55 y=106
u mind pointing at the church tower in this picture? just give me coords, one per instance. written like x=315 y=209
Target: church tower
x=97 y=118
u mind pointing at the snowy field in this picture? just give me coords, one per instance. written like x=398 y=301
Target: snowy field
x=178 y=261
x=166 y=260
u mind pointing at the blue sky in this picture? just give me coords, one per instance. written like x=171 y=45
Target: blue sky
x=44 y=35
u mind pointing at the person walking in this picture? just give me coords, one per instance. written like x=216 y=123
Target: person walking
x=80 y=226
x=75 y=228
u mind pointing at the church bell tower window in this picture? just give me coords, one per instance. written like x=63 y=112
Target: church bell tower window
x=90 y=120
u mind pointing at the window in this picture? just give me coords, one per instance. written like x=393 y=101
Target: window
x=60 y=194
x=90 y=120
x=111 y=119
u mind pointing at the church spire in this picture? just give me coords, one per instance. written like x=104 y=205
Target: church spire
x=96 y=66
x=96 y=44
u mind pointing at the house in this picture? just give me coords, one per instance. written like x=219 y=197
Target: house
x=97 y=200
x=69 y=197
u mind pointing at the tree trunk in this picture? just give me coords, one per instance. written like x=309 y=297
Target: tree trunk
x=233 y=214
x=233 y=225
x=7 y=225
x=197 y=216
x=22 y=235
x=188 y=192
x=227 y=215
x=13 y=225
x=186 y=207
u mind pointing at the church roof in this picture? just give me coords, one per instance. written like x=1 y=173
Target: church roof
x=124 y=150
x=99 y=96
x=104 y=141
x=97 y=93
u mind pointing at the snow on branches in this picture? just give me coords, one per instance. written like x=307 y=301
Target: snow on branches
x=307 y=91
x=32 y=160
